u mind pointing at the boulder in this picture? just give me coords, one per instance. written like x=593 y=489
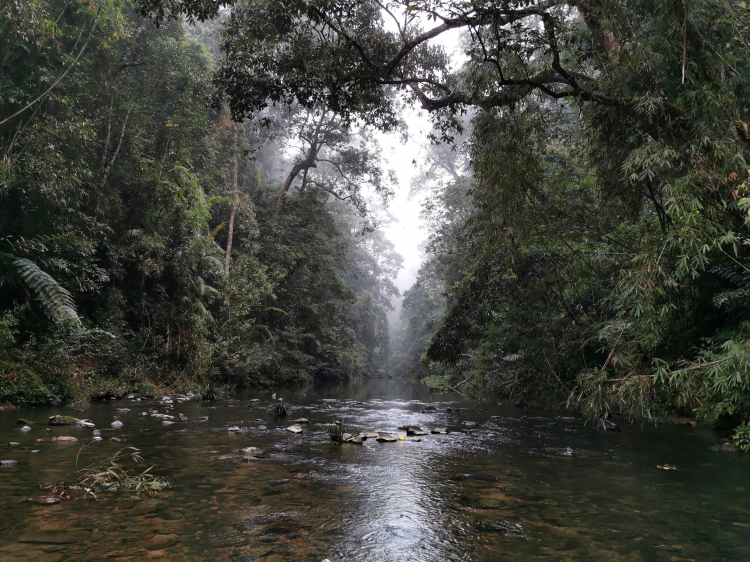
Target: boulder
x=251 y=452
x=414 y=431
x=440 y=431
x=62 y=420
x=385 y=438
x=606 y=425
x=22 y=421
x=294 y=428
x=356 y=439
x=86 y=423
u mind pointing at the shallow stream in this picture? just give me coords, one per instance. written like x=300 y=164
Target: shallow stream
x=499 y=486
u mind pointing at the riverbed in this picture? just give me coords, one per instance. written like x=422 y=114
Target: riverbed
x=505 y=483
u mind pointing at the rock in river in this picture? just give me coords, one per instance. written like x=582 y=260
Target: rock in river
x=65 y=439
x=385 y=438
x=369 y=434
x=440 y=431
x=26 y=428
x=62 y=420
x=117 y=424
x=8 y=463
x=22 y=421
x=724 y=448
x=606 y=425
x=233 y=428
x=251 y=451
x=294 y=428
x=414 y=431
x=430 y=410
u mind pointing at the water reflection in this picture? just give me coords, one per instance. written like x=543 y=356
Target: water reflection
x=498 y=487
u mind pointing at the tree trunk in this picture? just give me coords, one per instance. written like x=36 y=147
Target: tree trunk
x=228 y=255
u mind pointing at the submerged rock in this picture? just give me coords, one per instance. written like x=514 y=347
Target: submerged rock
x=22 y=421
x=385 y=438
x=62 y=420
x=148 y=506
x=430 y=410
x=294 y=428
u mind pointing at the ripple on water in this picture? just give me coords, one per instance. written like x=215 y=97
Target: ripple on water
x=493 y=489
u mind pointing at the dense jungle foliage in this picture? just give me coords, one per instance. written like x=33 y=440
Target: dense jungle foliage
x=143 y=239
x=588 y=243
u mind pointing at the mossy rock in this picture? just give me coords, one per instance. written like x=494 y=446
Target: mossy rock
x=22 y=421
x=62 y=420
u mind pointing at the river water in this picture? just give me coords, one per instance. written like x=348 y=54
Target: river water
x=497 y=487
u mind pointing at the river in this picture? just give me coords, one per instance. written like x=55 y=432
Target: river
x=499 y=486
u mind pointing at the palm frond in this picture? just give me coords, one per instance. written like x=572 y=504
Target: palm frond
x=56 y=300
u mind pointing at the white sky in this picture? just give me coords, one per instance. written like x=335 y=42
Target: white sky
x=406 y=231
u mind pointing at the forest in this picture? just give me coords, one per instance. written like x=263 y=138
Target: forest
x=191 y=193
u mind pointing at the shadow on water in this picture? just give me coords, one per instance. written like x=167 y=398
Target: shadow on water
x=499 y=486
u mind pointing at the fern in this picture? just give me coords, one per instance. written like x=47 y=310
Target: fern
x=55 y=299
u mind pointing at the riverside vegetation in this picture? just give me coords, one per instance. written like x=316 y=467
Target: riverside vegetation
x=587 y=194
